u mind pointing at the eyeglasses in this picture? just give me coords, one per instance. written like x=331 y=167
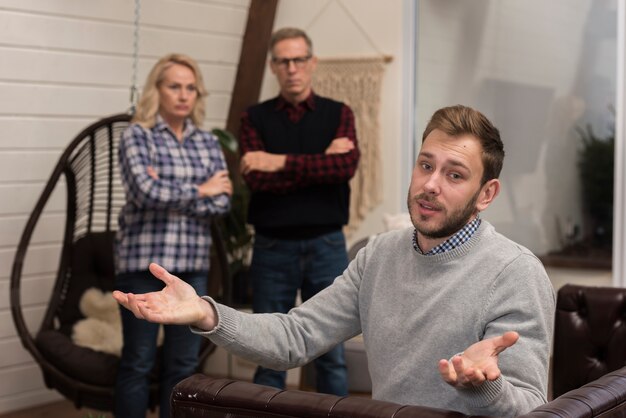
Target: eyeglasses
x=299 y=62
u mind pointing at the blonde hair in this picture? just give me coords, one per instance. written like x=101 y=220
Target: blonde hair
x=148 y=105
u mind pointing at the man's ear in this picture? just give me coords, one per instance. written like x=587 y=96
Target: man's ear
x=272 y=66
x=313 y=62
x=488 y=193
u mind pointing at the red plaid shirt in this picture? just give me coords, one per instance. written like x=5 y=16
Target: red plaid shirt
x=301 y=169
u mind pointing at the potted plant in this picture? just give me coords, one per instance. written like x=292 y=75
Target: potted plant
x=595 y=163
x=589 y=246
x=236 y=233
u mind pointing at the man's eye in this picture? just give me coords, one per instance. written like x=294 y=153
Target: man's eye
x=425 y=166
x=456 y=176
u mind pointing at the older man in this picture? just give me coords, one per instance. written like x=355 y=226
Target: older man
x=299 y=152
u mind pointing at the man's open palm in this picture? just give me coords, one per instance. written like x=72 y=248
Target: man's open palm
x=177 y=303
x=478 y=363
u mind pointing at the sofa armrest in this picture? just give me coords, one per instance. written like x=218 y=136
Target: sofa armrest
x=605 y=397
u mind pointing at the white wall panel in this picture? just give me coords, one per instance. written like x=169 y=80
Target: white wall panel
x=32 y=317
x=95 y=102
x=200 y=16
x=20 y=379
x=40 y=132
x=21 y=198
x=64 y=67
x=42 y=99
x=12 y=353
x=66 y=64
x=35 y=291
x=73 y=68
x=27 y=399
x=39 y=260
x=61 y=33
x=231 y=20
x=203 y=47
x=113 y=38
x=27 y=166
x=49 y=229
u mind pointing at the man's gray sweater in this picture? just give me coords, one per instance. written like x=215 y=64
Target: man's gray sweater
x=414 y=310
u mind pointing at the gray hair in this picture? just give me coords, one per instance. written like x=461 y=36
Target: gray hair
x=290 y=33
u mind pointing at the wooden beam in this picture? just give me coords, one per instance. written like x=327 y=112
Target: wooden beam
x=246 y=92
x=252 y=60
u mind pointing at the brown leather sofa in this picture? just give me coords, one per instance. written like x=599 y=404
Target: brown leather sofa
x=590 y=346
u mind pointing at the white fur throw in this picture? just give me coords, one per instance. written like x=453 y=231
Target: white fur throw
x=101 y=330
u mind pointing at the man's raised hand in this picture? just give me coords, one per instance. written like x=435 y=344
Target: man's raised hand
x=176 y=303
x=478 y=363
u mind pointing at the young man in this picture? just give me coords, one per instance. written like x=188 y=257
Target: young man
x=299 y=151
x=437 y=304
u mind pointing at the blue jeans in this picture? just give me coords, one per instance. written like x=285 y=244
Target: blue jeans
x=179 y=352
x=279 y=268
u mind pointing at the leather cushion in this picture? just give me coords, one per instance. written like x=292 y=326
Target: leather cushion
x=81 y=363
x=92 y=266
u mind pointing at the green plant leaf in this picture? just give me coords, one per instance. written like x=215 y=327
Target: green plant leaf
x=235 y=232
x=227 y=139
x=595 y=163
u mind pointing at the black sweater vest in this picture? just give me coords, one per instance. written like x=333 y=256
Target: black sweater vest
x=311 y=210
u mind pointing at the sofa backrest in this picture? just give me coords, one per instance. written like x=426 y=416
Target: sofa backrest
x=589 y=335
x=203 y=396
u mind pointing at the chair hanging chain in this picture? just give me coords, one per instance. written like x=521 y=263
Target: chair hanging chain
x=133 y=82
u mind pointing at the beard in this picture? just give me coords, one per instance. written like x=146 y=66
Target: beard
x=456 y=220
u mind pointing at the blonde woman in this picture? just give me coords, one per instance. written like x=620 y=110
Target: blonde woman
x=175 y=180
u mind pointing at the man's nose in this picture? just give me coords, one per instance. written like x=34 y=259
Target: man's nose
x=432 y=184
x=291 y=66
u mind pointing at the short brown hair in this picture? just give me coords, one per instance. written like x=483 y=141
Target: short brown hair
x=290 y=33
x=461 y=120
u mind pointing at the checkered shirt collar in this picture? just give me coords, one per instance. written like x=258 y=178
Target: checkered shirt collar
x=456 y=240
x=308 y=103
x=189 y=128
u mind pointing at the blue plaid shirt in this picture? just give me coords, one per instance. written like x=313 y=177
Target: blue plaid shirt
x=454 y=241
x=165 y=220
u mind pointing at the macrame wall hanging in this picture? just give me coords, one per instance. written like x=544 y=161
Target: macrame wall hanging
x=357 y=82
